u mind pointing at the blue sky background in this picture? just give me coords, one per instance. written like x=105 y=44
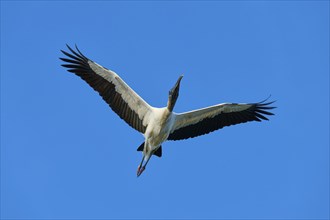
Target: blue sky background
x=65 y=154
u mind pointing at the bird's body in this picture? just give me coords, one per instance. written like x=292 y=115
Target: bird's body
x=159 y=124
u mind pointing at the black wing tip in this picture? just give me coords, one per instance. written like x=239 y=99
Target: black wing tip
x=75 y=54
x=262 y=108
x=74 y=61
x=79 y=51
x=67 y=45
x=265 y=104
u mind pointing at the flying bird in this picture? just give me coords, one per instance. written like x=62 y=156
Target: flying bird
x=158 y=125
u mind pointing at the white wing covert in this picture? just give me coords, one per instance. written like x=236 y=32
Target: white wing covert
x=203 y=121
x=120 y=97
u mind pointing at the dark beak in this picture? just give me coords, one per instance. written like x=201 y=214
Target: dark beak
x=173 y=94
x=177 y=84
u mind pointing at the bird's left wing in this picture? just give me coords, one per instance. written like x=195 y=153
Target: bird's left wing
x=119 y=96
x=203 y=121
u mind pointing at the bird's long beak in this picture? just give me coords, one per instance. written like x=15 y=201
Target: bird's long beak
x=177 y=84
x=174 y=94
x=175 y=90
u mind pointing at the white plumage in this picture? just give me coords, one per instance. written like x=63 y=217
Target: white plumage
x=159 y=124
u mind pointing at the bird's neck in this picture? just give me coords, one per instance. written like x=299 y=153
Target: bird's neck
x=170 y=105
x=166 y=114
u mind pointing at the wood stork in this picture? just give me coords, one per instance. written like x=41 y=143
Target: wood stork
x=159 y=124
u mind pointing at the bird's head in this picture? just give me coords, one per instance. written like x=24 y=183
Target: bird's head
x=173 y=94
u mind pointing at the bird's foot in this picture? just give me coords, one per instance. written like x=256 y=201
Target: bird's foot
x=140 y=170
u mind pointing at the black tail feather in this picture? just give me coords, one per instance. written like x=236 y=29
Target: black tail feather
x=158 y=152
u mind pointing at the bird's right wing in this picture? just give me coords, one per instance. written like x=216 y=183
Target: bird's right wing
x=120 y=97
x=202 y=121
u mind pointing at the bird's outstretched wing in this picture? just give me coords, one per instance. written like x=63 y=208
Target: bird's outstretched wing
x=203 y=121
x=120 y=97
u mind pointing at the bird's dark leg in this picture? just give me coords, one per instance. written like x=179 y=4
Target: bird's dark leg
x=142 y=168
x=142 y=161
x=147 y=162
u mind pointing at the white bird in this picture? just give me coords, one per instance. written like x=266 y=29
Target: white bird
x=159 y=124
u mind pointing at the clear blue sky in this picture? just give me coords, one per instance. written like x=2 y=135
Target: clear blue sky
x=65 y=154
